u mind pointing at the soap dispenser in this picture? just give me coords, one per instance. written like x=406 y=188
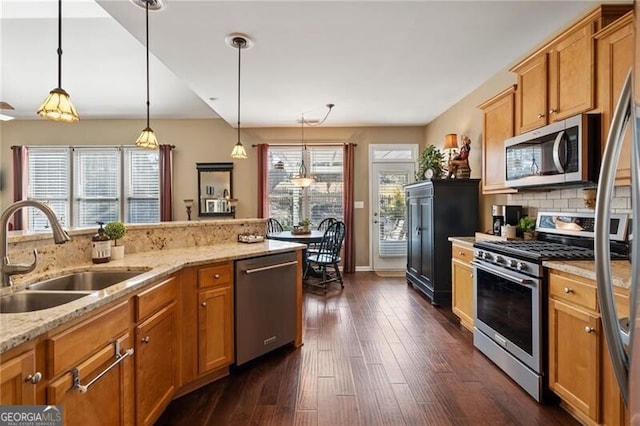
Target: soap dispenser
x=100 y=246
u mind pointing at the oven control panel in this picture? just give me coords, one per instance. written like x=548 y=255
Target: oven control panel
x=509 y=263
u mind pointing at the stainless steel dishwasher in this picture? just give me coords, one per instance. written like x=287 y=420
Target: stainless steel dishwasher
x=265 y=299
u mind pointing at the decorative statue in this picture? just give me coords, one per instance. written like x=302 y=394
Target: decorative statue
x=459 y=165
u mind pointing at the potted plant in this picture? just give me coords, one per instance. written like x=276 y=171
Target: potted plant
x=302 y=227
x=527 y=225
x=115 y=231
x=430 y=164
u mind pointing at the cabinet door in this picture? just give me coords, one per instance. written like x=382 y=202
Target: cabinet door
x=462 y=288
x=574 y=357
x=615 y=57
x=498 y=125
x=571 y=74
x=108 y=401
x=18 y=380
x=532 y=93
x=215 y=336
x=414 y=256
x=155 y=364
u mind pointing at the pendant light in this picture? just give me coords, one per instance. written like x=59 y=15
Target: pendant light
x=147 y=138
x=302 y=180
x=57 y=106
x=240 y=42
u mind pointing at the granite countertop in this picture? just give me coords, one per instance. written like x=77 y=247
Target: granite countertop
x=463 y=241
x=620 y=270
x=21 y=327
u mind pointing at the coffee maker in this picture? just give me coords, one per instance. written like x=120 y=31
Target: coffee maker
x=505 y=215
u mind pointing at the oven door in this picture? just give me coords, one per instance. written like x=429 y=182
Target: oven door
x=507 y=310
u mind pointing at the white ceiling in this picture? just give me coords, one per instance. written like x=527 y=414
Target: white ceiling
x=381 y=62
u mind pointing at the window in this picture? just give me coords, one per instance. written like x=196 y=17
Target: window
x=85 y=185
x=290 y=204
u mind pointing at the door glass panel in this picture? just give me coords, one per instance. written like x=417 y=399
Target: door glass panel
x=392 y=235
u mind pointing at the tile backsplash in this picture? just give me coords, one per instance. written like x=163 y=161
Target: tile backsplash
x=567 y=200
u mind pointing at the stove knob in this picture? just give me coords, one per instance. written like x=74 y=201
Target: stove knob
x=512 y=263
x=488 y=256
x=480 y=254
x=521 y=266
x=500 y=259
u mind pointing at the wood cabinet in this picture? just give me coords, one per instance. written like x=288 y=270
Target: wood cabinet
x=462 y=284
x=92 y=370
x=580 y=370
x=436 y=210
x=156 y=350
x=18 y=377
x=498 y=124
x=558 y=80
x=615 y=58
x=215 y=317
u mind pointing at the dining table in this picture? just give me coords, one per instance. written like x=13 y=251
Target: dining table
x=313 y=237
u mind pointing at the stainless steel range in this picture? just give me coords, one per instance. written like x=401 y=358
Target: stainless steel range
x=511 y=291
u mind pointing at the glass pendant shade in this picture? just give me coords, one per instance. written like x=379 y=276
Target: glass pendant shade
x=239 y=152
x=302 y=181
x=147 y=139
x=58 y=107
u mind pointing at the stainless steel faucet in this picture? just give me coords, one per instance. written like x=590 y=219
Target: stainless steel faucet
x=60 y=236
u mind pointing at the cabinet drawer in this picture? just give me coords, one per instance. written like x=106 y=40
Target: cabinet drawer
x=462 y=253
x=66 y=349
x=215 y=275
x=150 y=300
x=572 y=291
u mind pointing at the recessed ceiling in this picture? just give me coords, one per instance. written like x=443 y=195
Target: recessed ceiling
x=381 y=62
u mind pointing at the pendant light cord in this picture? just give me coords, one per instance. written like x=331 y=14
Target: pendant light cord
x=147 y=22
x=59 y=44
x=240 y=42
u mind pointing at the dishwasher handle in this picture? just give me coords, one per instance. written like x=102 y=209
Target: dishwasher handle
x=266 y=268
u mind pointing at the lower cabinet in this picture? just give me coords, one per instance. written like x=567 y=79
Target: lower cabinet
x=18 y=377
x=462 y=284
x=156 y=350
x=580 y=370
x=215 y=317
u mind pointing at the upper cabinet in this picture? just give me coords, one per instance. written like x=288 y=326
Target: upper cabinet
x=497 y=125
x=558 y=80
x=615 y=58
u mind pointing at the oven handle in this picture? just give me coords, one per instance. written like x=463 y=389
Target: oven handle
x=522 y=281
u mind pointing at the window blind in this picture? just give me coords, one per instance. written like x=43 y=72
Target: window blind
x=142 y=191
x=48 y=180
x=96 y=185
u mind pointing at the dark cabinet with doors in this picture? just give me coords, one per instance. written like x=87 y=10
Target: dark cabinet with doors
x=437 y=210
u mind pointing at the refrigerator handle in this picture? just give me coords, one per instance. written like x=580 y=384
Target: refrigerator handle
x=610 y=322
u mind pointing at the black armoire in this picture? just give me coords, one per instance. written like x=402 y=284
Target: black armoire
x=436 y=210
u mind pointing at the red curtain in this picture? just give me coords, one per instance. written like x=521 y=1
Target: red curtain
x=347 y=202
x=263 y=152
x=165 y=159
x=19 y=181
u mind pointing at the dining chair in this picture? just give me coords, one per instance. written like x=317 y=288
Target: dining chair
x=273 y=226
x=328 y=254
x=322 y=226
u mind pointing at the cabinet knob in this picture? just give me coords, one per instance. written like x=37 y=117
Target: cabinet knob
x=204 y=304
x=145 y=339
x=471 y=275
x=588 y=329
x=34 y=378
x=461 y=253
x=216 y=276
x=540 y=115
x=552 y=111
x=568 y=290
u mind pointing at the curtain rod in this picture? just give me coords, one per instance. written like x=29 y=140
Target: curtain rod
x=293 y=143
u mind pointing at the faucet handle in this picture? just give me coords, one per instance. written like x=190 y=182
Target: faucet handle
x=19 y=268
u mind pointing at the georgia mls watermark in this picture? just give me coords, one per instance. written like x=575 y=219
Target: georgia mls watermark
x=30 y=415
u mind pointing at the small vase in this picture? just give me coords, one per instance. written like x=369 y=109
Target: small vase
x=117 y=252
x=527 y=235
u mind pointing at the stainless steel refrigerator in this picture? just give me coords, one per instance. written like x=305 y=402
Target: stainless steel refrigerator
x=622 y=335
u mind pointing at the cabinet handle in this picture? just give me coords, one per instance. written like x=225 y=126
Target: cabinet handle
x=216 y=276
x=204 y=304
x=588 y=329
x=471 y=274
x=145 y=339
x=461 y=253
x=34 y=378
x=540 y=115
x=568 y=290
x=551 y=111
x=120 y=356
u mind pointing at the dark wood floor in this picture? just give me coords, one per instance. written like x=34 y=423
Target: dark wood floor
x=375 y=353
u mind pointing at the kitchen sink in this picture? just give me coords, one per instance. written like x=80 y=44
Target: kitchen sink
x=27 y=301
x=85 y=281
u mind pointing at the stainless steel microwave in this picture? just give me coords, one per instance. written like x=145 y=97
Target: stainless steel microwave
x=565 y=153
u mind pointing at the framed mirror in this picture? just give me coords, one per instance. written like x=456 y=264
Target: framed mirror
x=215 y=189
